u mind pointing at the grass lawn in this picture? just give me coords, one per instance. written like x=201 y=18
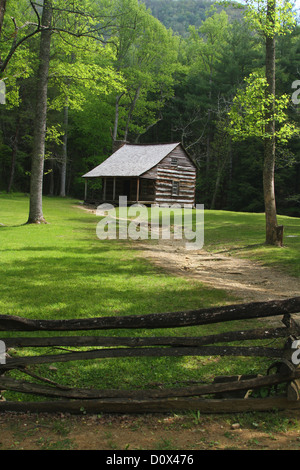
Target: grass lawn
x=243 y=234
x=62 y=270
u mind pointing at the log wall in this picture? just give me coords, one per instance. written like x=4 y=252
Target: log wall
x=177 y=167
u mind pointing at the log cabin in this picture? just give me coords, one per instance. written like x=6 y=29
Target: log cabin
x=146 y=174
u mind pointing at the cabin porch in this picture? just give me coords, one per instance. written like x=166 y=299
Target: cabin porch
x=136 y=189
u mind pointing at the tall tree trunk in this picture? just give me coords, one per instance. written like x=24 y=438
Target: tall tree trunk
x=116 y=123
x=273 y=232
x=208 y=138
x=224 y=158
x=14 y=157
x=217 y=186
x=40 y=120
x=2 y=14
x=51 y=174
x=65 y=152
x=133 y=103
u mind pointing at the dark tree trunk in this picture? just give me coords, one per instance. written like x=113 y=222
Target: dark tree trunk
x=13 y=158
x=116 y=123
x=273 y=232
x=134 y=101
x=51 y=175
x=209 y=136
x=65 y=153
x=2 y=14
x=37 y=166
x=217 y=187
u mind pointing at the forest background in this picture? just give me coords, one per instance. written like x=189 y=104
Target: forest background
x=151 y=72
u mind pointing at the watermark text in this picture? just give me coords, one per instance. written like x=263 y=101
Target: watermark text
x=139 y=222
x=2 y=92
x=2 y=352
x=295 y=95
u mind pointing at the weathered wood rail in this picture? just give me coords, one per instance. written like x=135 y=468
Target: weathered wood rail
x=208 y=397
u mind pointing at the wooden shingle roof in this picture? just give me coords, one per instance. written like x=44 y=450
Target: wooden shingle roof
x=132 y=160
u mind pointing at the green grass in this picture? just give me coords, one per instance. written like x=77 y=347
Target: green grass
x=243 y=234
x=62 y=270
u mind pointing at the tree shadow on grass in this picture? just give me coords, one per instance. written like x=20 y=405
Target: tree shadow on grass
x=94 y=282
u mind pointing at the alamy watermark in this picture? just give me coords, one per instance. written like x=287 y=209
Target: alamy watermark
x=2 y=352
x=2 y=92
x=296 y=354
x=139 y=222
x=295 y=95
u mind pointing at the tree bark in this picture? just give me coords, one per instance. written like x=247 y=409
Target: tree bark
x=217 y=186
x=14 y=157
x=2 y=14
x=273 y=232
x=133 y=103
x=40 y=121
x=51 y=176
x=116 y=123
x=208 y=138
x=65 y=152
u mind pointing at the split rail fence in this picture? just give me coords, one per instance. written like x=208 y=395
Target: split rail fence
x=224 y=394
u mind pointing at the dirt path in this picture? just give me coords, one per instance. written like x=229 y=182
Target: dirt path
x=250 y=281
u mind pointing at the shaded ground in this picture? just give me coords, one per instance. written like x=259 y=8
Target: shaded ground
x=247 y=280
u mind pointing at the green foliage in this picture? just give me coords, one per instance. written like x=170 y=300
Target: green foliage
x=281 y=20
x=180 y=14
x=16 y=26
x=76 y=72
x=249 y=113
x=146 y=57
x=208 y=41
x=172 y=85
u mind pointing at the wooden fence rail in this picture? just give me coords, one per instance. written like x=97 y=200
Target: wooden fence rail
x=207 y=397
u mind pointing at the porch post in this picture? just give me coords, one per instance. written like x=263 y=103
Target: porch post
x=85 y=189
x=104 y=189
x=137 y=189
x=114 y=189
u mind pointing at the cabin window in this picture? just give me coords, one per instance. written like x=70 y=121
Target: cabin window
x=174 y=161
x=175 y=188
